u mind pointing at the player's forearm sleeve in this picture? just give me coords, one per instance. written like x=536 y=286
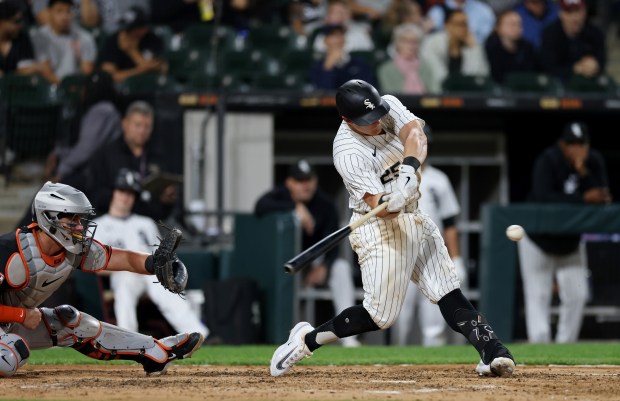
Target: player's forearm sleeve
x=9 y=314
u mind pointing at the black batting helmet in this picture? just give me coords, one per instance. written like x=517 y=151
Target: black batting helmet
x=360 y=102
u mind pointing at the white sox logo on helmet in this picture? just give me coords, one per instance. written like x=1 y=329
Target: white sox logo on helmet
x=369 y=105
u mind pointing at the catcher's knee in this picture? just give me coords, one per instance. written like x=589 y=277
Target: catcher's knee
x=14 y=353
x=66 y=325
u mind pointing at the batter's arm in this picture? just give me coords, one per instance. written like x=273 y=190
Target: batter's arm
x=373 y=201
x=413 y=138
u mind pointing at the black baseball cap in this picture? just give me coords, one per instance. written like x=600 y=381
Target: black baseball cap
x=8 y=9
x=134 y=17
x=129 y=180
x=301 y=170
x=360 y=102
x=576 y=132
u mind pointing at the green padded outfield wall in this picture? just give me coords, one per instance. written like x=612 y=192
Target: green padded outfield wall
x=499 y=259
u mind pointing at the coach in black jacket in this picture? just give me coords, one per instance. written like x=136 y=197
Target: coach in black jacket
x=566 y=172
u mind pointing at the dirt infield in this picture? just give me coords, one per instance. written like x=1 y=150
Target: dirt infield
x=437 y=382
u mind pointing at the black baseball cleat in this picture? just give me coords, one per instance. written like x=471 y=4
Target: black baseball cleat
x=180 y=346
x=501 y=364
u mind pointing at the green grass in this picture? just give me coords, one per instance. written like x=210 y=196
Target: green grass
x=584 y=353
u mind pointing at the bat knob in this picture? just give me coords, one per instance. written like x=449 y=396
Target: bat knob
x=288 y=268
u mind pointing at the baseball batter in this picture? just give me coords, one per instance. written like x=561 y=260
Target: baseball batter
x=378 y=151
x=36 y=260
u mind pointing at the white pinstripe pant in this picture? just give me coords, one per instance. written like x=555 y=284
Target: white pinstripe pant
x=393 y=252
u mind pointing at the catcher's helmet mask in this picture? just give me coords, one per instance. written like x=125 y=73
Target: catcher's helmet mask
x=359 y=102
x=55 y=201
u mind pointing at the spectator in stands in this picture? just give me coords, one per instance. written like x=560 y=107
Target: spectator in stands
x=573 y=45
x=68 y=48
x=441 y=204
x=307 y=15
x=122 y=228
x=369 y=11
x=16 y=51
x=402 y=12
x=99 y=124
x=451 y=51
x=318 y=217
x=357 y=38
x=506 y=49
x=134 y=49
x=536 y=16
x=337 y=65
x=401 y=74
x=131 y=151
x=94 y=14
x=499 y=6
x=85 y=13
x=569 y=171
x=480 y=16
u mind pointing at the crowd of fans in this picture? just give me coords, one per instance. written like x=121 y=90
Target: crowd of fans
x=404 y=46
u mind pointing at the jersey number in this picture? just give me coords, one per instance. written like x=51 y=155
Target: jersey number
x=390 y=174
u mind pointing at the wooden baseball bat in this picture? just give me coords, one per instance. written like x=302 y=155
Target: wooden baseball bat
x=305 y=258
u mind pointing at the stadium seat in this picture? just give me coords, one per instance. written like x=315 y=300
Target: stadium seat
x=532 y=82
x=70 y=92
x=285 y=81
x=457 y=83
x=298 y=60
x=32 y=115
x=184 y=63
x=271 y=40
x=216 y=82
x=147 y=83
x=246 y=63
x=200 y=36
x=27 y=89
x=597 y=85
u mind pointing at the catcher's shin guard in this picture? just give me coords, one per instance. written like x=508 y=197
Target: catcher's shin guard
x=14 y=354
x=68 y=327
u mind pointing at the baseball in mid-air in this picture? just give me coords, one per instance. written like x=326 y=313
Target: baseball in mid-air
x=515 y=232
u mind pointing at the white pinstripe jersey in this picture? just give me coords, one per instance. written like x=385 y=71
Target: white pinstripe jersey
x=369 y=164
x=391 y=252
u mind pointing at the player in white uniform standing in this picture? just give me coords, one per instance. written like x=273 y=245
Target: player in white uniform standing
x=441 y=205
x=378 y=150
x=122 y=229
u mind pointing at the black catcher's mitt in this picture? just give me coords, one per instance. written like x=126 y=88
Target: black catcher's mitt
x=170 y=271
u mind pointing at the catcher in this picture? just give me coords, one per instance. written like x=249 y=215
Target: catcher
x=37 y=259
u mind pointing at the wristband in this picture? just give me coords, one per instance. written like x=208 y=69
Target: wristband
x=148 y=264
x=9 y=314
x=413 y=162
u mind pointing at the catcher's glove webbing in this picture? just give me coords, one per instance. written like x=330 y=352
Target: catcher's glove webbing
x=165 y=264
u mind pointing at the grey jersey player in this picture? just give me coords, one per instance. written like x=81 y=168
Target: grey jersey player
x=36 y=260
x=378 y=151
